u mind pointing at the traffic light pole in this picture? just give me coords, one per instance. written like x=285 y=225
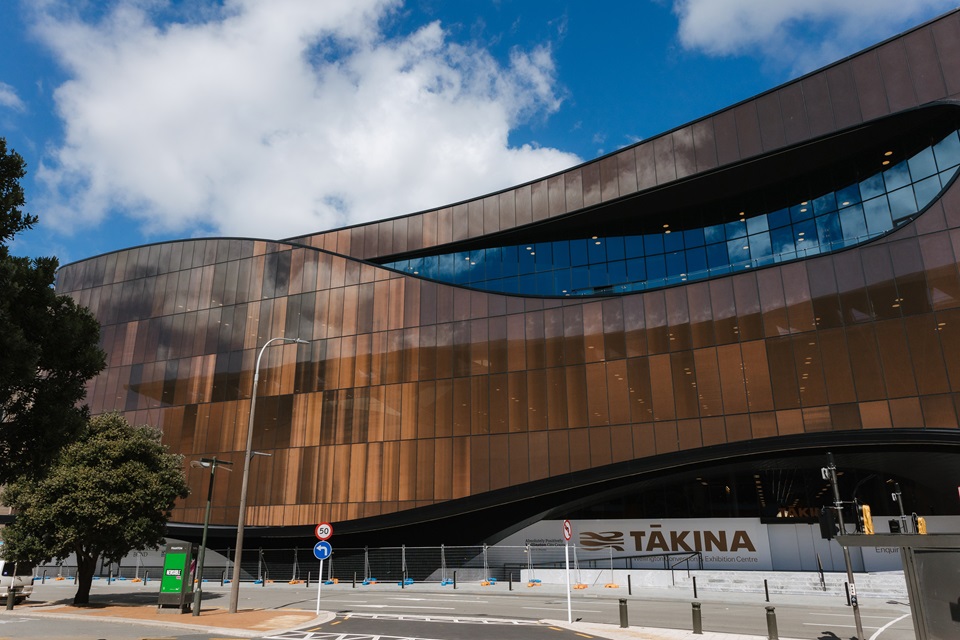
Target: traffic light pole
x=898 y=497
x=838 y=505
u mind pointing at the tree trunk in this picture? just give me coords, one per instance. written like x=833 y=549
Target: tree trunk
x=86 y=566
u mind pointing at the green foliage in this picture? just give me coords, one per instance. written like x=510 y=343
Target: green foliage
x=106 y=494
x=49 y=346
x=12 y=217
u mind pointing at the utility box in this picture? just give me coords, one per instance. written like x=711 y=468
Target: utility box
x=176 y=583
x=931 y=566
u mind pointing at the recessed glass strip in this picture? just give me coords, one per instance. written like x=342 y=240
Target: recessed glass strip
x=604 y=265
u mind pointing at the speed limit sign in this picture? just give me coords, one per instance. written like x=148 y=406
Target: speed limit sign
x=324 y=530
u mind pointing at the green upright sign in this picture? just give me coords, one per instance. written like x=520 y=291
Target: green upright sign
x=176 y=583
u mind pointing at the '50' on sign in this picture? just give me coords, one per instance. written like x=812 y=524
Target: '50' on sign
x=324 y=530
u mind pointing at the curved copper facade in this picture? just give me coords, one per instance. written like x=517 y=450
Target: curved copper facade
x=413 y=393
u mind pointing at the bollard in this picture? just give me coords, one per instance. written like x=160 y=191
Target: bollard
x=308 y=579
x=354 y=579
x=223 y=576
x=697 y=621
x=109 y=577
x=772 y=624
x=44 y=579
x=629 y=585
x=510 y=581
x=454 y=579
x=766 y=590
x=623 y=614
x=403 y=579
x=694 y=586
x=11 y=595
x=146 y=578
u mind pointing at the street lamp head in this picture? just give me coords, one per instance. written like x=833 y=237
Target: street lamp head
x=206 y=463
x=301 y=341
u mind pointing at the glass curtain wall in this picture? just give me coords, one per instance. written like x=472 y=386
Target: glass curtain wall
x=606 y=265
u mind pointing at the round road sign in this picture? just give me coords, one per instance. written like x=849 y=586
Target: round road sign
x=322 y=550
x=567 y=530
x=324 y=530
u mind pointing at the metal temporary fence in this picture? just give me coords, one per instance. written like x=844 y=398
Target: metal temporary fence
x=421 y=564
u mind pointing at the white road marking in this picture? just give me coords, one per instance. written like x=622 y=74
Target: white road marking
x=833 y=624
x=847 y=615
x=886 y=626
x=402 y=606
x=563 y=609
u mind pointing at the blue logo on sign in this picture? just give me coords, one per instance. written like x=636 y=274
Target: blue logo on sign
x=322 y=550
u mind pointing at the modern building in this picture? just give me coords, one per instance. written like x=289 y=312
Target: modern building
x=681 y=329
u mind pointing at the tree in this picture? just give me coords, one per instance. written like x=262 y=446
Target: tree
x=107 y=494
x=49 y=344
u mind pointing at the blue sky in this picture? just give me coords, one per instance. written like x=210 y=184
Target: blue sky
x=147 y=120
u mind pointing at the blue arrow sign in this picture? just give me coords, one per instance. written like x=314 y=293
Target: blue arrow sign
x=322 y=550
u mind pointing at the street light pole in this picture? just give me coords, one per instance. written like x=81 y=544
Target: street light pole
x=898 y=498
x=212 y=463
x=838 y=505
x=235 y=581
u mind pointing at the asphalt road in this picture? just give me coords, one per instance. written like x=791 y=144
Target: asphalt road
x=426 y=611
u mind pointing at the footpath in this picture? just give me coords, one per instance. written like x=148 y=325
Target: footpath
x=285 y=609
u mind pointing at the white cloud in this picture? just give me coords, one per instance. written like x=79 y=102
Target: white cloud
x=9 y=98
x=804 y=34
x=278 y=118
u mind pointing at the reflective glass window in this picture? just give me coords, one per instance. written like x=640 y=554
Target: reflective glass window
x=714 y=233
x=947 y=152
x=544 y=258
x=596 y=250
x=578 y=252
x=825 y=204
x=697 y=261
x=779 y=218
x=877 y=213
x=693 y=238
x=672 y=242
x=561 y=255
x=735 y=229
x=872 y=187
x=848 y=196
x=926 y=190
x=902 y=203
x=676 y=263
x=617 y=272
x=634 y=246
x=896 y=176
x=782 y=240
x=653 y=243
x=922 y=165
x=656 y=268
x=739 y=251
x=852 y=223
x=615 y=250
x=757 y=224
x=801 y=211
x=828 y=230
x=830 y=221
x=717 y=255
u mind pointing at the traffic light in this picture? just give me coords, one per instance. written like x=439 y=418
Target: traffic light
x=919 y=524
x=828 y=523
x=867 y=519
